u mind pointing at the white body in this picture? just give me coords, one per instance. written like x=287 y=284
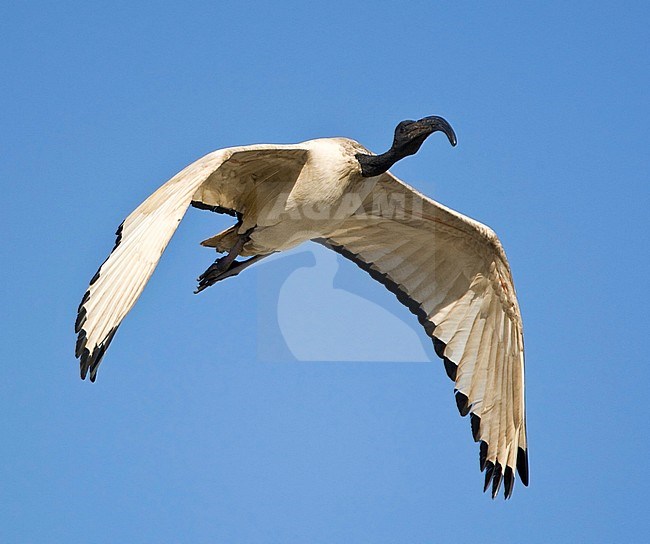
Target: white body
x=295 y=197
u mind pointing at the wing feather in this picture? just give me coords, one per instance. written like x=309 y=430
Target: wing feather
x=141 y=239
x=461 y=323
x=452 y=273
x=145 y=233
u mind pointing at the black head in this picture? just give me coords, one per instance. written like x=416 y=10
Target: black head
x=409 y=137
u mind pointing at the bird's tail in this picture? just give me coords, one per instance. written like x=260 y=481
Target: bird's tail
x=223 y=241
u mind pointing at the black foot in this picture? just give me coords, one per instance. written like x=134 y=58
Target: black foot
x=222 y=269
x=215 y=272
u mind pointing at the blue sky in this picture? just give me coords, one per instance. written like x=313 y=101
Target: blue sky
x=203 y=425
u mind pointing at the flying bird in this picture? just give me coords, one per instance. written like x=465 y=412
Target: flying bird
x=449 y=270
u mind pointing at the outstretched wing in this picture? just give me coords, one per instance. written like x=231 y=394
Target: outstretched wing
x=452 y=273
x=144 y=234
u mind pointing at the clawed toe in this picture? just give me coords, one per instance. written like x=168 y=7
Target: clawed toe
x=216 y=267
x=220 y=270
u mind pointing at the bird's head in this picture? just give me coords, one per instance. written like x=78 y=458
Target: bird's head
x=409 y=137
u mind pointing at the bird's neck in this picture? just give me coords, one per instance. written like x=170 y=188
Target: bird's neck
x=374 y=165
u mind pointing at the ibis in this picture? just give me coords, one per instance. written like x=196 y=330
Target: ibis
x=449 y=270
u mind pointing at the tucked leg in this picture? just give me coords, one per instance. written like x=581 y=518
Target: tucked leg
x=226 y=267
x=213 y=274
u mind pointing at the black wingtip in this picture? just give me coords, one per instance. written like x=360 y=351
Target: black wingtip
x=84 y=363
x=118 y=236
x=494 y=476
x=81 y=344
x=489 y=471
x=497 y=477
x=84 y=300
x=522 y=465
x=508 y=482
x=81 y=313
x=451 y=369
x=81 y=319
x=439 y=347
x=476 y=426
x=89 y=362
x=462 y=402
x=96 y=276
x=482 y=454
